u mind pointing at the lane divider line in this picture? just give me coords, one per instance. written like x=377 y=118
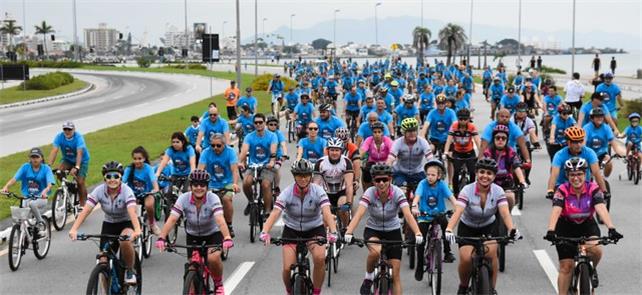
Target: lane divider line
x=236 y=277
x=549 y=268
x=516 y=212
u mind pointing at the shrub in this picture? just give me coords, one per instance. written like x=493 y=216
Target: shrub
x=48 y=81
x=631 y=106
x=188 y=66
x=261 y=82
x=143 y=62
x=50 y=64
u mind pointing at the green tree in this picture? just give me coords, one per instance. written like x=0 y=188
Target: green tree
x=44 y=29
x=451 y=38
x=320 y=43
x=11 y=29
x=420 y=41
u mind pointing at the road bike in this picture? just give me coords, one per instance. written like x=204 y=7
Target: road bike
x=26 y=232
x=197 y=278
x=300 y=278
x=432 y=260
x=168 y=200
x=65 y=200
x=333 y=250
x=221 y=192
x=382 y=282
x=480 y=278
x=583 y=281
x=257 y=209
x=108 y=276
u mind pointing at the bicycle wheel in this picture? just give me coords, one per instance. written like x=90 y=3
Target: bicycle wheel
x=328 y=263
x=482 y=283
x=16 y=245
x=138 y=247
x=253 y=214
x=383 y=286
x=193 y=283
x=520 y=199
x=638 y=173
x=41 y=244
x=435 y=276
x=300 y=287
x=147 y=241
x=99 y=280
x=501 y=248
x=629 y=170
x=412 y=254
x=59 y=210
x=584 y=279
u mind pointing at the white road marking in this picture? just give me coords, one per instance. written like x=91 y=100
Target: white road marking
x=236 y=277
x=549 y=268
x=516 y=212
x=39 y=128
x=143 y=104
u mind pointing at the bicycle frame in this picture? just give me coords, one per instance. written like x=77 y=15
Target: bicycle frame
x=482 y=269
x=300 y=269
x=383 y=270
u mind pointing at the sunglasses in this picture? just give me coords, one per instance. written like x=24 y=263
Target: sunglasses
x=576 y=174
x=110 y=176
x=522 y=110
x=218 y=145
x=213 y=115
x=502 y=138
x=576 y=141
x=258 y=122
x=199 y=184
x=67 y=129
x=381 y=180
x=313 y=128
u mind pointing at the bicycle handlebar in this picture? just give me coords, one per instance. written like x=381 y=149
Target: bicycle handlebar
x=448 y=213
x=482 y=239
x=362 y=242
x=582 y=240
x=172 y=247
x=281 y=241
x=13 y=195
x=84 y=237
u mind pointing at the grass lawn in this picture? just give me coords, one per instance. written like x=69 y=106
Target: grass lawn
x=15 y=94
x=229 y=75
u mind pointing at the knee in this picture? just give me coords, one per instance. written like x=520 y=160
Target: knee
x=566 y=268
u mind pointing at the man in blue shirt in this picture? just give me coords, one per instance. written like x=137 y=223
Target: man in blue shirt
x=214 y=124
x=597 y=101
x=614 y=94
x=291 y=99
x=422 y=81
x=328 y=122
x=437 y=124
x=366 y=108
x=495 y=93
x=515 y=136
x=365 y=129
x=75 y=156
x=247 y=99
x=352 y=105
x=406 y=110
x=396 y=92
x=599 y=137
x=384 y=116
x=510 y=100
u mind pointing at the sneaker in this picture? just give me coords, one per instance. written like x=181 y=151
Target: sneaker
x=462 y=290
x=130 y=277
x=155 y=230
x=246 y=211
x=594 y=279
x=449 y=257
x=366 y=287
x=493 y=291
x=419 y=273
x=42 y=229
x=231 y=229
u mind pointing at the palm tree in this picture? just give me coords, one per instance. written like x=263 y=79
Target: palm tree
x=420 y=41
x=10 y=29
x=452 y=37
x=44 y=29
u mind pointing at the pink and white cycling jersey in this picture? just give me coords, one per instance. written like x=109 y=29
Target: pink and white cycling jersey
x=575 y=208
x=377 y=154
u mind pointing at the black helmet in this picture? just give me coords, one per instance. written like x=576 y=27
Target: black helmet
x=377 y=125
x=380 y=169
x=596 y=112
x=301 y=166
x=487 y=164
x=199 y=176
x=113 y=166
x=272 y=118
x=463 y=114
x=435 y=163
x=325 y=107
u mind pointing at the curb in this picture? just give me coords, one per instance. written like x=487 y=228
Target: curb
x=50 y=98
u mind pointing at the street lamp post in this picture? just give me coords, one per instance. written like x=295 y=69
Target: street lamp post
x=223 y=30
x=76 y=49
x=573 y=43
x=264 y=19
x=519 y=37
x=376 y=25
x=256 y=35
x=238 y=44
x=470 y=33
x=334 y=30
x=291 y=17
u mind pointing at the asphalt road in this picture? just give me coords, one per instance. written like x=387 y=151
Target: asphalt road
x=255 y=269
x=118 y=97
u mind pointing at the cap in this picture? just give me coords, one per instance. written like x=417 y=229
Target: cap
x=36 y=152
x=68 y=125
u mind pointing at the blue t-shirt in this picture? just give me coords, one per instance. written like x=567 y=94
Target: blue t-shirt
x=167 y=171
x=352 y=101
x=633 y=134
x=563 y=155
x=249 y=101
x=440 y=123
x=210 y=128
x=247 y=123
x=292 y=99
x=331 y=86
x=327 y=127
x=510 y=102
x=70 y=146
x=613 y=91
x=496 y=91
x=385 y=117
x=180 y=159
x=586 y=110
x=396 y=94
x=191 y=133
x=34 y=182
x=514 y=132
x=551 y=104
x=304 y=113
x=143 y=179
x=404 y=112
x=280 y=138
x=260 y=146
x=312 y=151
x=560 y=126
x=365 y=110
x=276 y=87
x=461 y=104
x=432 y=200
x=450 y=90
x=389 y=100
x=427 y=101
x=218 y=166
x=598 y=138
x=365 y=131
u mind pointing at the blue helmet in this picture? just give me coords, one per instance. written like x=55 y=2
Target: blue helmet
x=633 y=116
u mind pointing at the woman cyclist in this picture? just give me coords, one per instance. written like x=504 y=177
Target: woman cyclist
x=306 y=209
x=382 y=202
x=311 y=148
x=375 y=149
x=204 y=223
x=140 y=177
x=475 y=220
x=572 y=220
x=183 y=158
x=461 y=137
x=118 y=202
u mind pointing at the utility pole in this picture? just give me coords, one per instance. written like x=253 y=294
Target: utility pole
x=238 y=44
x=573 y=43
x=376 y=25
x=256 y=35
x=291 y=16
x=76 y=49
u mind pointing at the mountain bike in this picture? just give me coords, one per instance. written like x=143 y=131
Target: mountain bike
x=582 y=282
x=382 y=282
x=480 y=278
x=333 y=251
x=144 y=243
x=463 y=175
x=221 y=192
x=409 y=191
x=108 y=276
x=300 y=277
x=65 y=200
x=168 y=200
x=633 y=169
x=256 y=205
x=197 y=278
x=432 y=260
x=25 y=232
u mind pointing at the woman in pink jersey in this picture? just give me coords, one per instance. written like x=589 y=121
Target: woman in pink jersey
x=375 y=148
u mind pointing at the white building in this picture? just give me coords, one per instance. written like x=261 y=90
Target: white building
x=178 y=38
x=102 y=39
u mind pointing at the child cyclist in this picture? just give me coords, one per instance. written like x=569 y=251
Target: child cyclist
x=633 y=135
x=430 y=200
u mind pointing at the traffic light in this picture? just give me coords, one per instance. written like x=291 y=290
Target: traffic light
x=53 y=38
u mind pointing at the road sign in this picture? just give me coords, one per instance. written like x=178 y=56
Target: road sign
x=211 y=48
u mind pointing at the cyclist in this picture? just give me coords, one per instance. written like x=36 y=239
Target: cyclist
x=330 y=89
x=312 y=147
x=75 y=156
x=599 y=137
x=382 y=202
x=568 y=219
x=118 y=203
x=182 y=156
x=486 y=80
x=302 y=115
x=396 y=93
x=426 y=102
x=204 y=223
x=243 y=124
x=437 y=124
x=515 y=136
x=388 y=99
x=248 y=100
x=614 y=94
x=140 y=177
x=406 y=110
x=510 y=100
x=495 y=93
x=276 y=89
x=334 y=172
x=352 y=104
x=367 y=107
x=351 y=151
x=508 y=163
x=221 y=162
x=281 y=149
x=191 y=132
x=549 y=108
x=408 y=155
x=306 y=209
x=461 y=137
x=291 y=100
x=36 y=179
x=451 y=88
x=215 y=124
x=531 y=98
x=328 y=122
x=561 y=121
x=259 y=147
x=422 y=81
x=597 y=101
x=633 y=135
x=474 y=220
x=384 y=115
x=527 y=125
x=374 y=149
x=231 y=95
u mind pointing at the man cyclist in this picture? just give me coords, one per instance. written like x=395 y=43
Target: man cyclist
x=406 y=110
x=408 y=155
x=510 y=100
x=302 y=115
x=291 y=100
x=515 y=136
x=495 y=93
x=396 y=93
x=597 y=101
x=527 y=125
x=351 y=151
x=75 y=156
x=366 y=108
x=330 y=89
x=327 y=122
x=352 y=105
x=461 y=137
x=276 y=89
x=549 y=108
x=426 y=102
x=248 y=100
x=215 y=124
x=600 y=138
x=438 y=123
x=384 y=115
x=614 y=94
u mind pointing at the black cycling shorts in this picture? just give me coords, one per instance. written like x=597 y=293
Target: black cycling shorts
x=568 y=229
x=289 y=233
x=395 y=235
x=464 y=230
x=109 y=228
x=213 y=239
x=334 y=198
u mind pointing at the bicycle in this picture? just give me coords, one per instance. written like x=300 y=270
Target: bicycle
x=197 y=278
x=220 y=192
x=409 y=191
x=480 y=279
x=581 y=282
x=108 y=276
x=300 y=278
x=291 y=126
x=25 y=232
x=256 y=205
x=633 y=169
x=65 y=200
x=463 y=175
x=168 y=201
x=333 y=251
x=432 y=259
x=382 y=282
x=144 y=242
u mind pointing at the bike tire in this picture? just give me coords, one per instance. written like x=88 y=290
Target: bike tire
x=59 y=210
x=300 y=287
x=629 y=171
x=328 y=263
x=253 y=215
x=435 y=276
x=138 y=248
x=520 y=199
x=148 y=242
x=16 y=245
x=501 y=248
x=383 y=287
x=482 y=284
x=193 y=283
x=584 y=279
x=100 y=280
x=41 y=248
x=638 y=173
x=412 y=253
